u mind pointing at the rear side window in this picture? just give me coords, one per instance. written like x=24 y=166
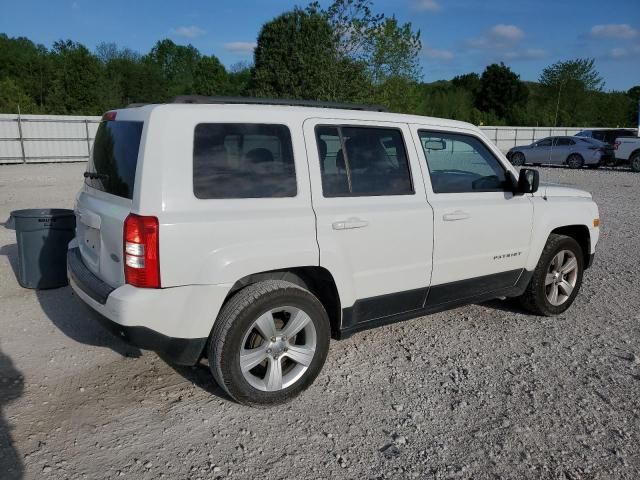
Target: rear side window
x=112 y=166
x=545 y=142
x=241 y=160
x=363 y=161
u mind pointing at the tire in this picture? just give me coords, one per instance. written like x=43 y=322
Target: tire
x=575 y=161
x=536 y=296
x=272 y=303
x=634 y=161
x=517 y=159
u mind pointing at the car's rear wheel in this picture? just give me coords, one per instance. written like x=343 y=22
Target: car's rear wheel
x=575 y=161
x=557 y=278
x=518 y=159
x=634 y=161
x=269 y=343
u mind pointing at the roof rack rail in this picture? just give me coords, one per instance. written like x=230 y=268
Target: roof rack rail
x=200 y=99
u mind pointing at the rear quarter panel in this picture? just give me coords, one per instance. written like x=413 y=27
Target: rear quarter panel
x=219 y=241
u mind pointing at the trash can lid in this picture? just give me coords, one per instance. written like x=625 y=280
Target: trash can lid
x=42 y=213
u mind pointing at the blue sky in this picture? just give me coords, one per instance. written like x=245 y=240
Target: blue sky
x=458 y=36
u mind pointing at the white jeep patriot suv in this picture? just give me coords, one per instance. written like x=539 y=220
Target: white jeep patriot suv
x=250 y=231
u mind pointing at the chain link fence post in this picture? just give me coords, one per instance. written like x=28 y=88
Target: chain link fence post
x=24 y=157
x=86 y=128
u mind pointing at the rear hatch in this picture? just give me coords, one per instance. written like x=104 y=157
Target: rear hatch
x=105 y=201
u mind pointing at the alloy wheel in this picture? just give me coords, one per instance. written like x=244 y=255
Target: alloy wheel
x=278 y=348
x=561 y=277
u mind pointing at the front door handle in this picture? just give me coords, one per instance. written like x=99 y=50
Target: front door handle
x=455 y=216
x=350 y=223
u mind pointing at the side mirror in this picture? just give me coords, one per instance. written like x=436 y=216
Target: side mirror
x=528 y=181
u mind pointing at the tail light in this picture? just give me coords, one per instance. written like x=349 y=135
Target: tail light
x=109 y=116
x=141 y=251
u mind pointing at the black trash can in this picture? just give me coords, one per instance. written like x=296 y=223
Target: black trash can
x=43 y=235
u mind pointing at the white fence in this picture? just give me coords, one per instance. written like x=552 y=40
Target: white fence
x=63 y=138
x=46 y=138
x=508 y=137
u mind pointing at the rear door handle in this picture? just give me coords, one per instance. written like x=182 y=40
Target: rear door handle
x=349 y=224
x=455 y=216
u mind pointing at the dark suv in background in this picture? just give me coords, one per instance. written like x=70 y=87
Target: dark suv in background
x=607 y=135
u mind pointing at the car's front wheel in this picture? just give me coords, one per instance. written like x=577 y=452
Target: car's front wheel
x=269 y=343
x=557 y=277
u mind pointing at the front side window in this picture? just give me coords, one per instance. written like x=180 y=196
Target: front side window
x=363 y=161
x=461 y=163
x=241 y=160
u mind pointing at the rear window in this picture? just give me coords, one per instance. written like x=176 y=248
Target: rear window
x=112 y=166
x=242 y=160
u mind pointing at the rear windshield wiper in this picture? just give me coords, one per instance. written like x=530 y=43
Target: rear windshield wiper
x=96 y=176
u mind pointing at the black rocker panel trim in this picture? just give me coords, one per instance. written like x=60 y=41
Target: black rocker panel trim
x=448 y=292
x=506 y=284
x=384 y=305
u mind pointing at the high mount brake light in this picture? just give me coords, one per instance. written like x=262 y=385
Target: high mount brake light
x=109 y=116
x=142 y=251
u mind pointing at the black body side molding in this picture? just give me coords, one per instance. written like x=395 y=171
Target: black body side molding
x=403 y=305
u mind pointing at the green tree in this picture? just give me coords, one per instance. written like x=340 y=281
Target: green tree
x=469 y=82
x=634 y=115
x=387 y=48
x=77 y=85
x=239 y=79
x=296 y=57
x=27 y=65
x=395 y=52
x=567 y=85
x=210 y=77
x=13 y=99
x=501 y=92
x=177 y=65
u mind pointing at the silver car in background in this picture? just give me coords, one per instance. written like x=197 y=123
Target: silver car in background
x=575 y=152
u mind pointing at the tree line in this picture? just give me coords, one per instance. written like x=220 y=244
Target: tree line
x=345 y=53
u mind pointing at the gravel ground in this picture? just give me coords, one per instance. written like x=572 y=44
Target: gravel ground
x=484 y=391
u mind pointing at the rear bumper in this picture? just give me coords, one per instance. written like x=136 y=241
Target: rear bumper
x=174 y=322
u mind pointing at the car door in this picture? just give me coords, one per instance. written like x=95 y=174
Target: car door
x=481 y=229
x=561 y=149
x=558 y=149
x=374 y=225
x=540 y=151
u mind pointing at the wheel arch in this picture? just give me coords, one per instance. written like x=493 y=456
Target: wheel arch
x=318 y=280
x=581 y=234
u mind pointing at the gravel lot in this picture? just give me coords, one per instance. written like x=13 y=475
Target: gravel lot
x=484 y=391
